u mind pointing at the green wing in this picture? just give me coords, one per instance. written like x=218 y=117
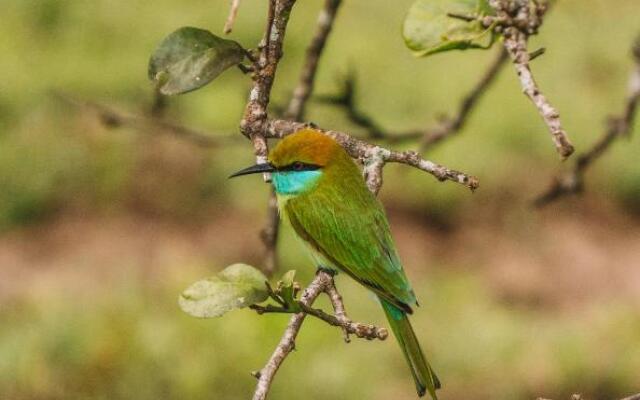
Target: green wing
x=355 y=237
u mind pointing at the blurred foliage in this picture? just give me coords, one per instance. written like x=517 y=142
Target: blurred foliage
x=128 y=339
x=100 y=50
x=130 y=342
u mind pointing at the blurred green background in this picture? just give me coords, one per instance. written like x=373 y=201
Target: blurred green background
x=102 y=227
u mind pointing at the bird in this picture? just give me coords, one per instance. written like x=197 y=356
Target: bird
x=321 y=192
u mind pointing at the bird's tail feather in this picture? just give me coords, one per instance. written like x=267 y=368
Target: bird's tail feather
x=423 y=375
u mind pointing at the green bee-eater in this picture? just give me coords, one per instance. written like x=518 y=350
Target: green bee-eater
x=321 y=192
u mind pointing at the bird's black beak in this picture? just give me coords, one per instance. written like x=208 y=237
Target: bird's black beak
x=254 y=169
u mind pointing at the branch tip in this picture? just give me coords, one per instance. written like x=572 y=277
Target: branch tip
x=463 y=17
x=518 y=21
x=231 y=19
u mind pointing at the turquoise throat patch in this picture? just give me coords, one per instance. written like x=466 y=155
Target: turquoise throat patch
x=295 y=182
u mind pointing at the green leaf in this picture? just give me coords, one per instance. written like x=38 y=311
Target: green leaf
x=237 y=286
x=189 y=58
x=287 y=278
x=428 y=29
x=287 y=290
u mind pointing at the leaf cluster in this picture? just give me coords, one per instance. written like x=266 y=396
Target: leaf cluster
x=239 y=286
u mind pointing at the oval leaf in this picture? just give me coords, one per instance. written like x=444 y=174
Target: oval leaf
x=237 y=286
x=428 y=29
x=189 y=58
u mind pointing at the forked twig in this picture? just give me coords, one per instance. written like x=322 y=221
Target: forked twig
x=322 y=283
x=446 y=127
x=572 y=182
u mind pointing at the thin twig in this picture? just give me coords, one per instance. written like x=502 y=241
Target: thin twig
x=374 y=157
x=537 y=53
x=301 y=93
x=516 y=21
x=447 y=127
x=112 y=117
x=617 y=127
x=323 y=282
x=231 y=19
x=463 y=17
x=516 y=27
x=516 y=45
x=270 y=308
x=368 y=332
x=159 y=105
x=287 y=342
x=347 y=100
x=255 y=115
x=450 y=126
x=338 y=307
x=269 y=235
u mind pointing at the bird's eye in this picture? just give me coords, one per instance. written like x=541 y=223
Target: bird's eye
x=298 y=166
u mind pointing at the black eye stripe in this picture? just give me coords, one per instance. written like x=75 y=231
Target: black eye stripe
x=299 y=166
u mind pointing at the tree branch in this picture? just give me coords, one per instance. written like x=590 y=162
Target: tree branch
x=362 y=331
x=323 y=282
x=516 y=20
x=450 y=126
x=301 y=93
x=347 y=100
x=295 y=111
x=348 y=326
x=253 y=122
x=516 y=26
x=287 y=342
x=114 y=118
x=368 y=332
x=255 y=115
x=516 y=44
x=447 y=127
x=619 y=126
x=269 y=235
x=374 y=157
x=231 y=19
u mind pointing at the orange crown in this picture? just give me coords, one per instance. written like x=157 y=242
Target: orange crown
x=306 y=145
